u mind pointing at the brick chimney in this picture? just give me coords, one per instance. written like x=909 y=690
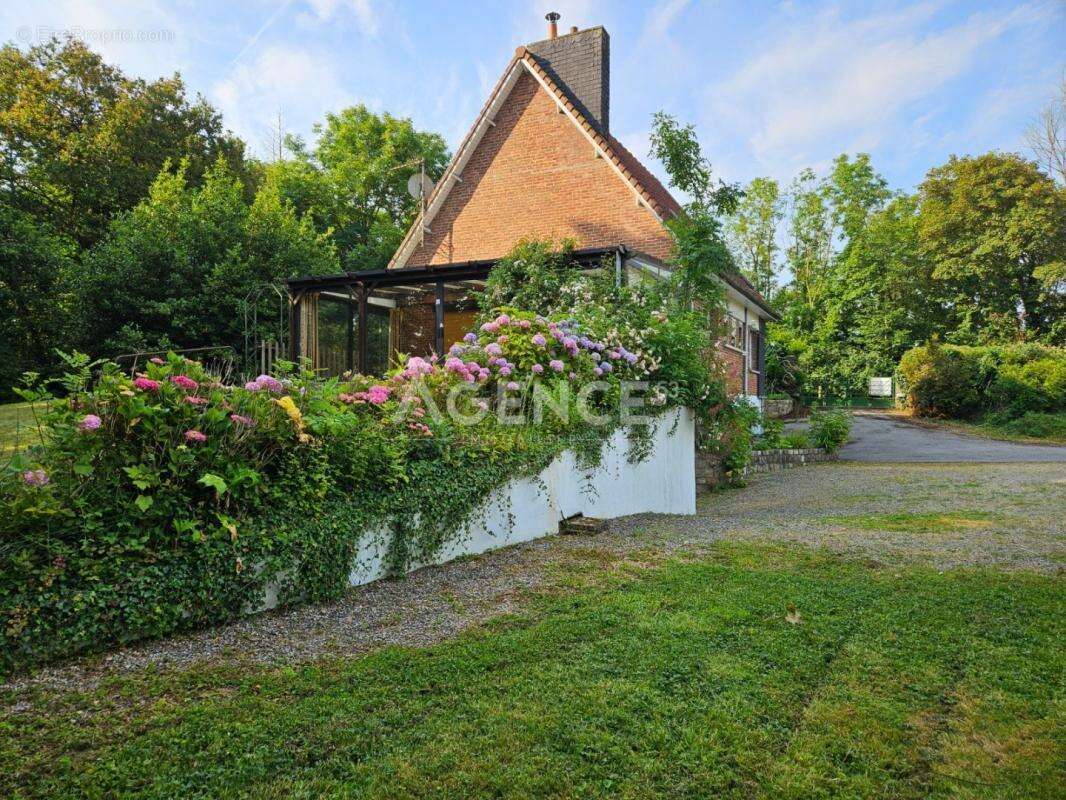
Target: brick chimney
x=581 y=62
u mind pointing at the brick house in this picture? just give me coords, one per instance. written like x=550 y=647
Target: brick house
x=538 y=162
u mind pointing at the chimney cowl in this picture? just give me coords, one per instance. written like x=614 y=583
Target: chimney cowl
x=553 y=26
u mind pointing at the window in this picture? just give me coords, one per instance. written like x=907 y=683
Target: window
x=734 y=333
x=754 y=349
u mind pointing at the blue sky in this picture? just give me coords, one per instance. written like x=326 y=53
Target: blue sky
x=771 y=86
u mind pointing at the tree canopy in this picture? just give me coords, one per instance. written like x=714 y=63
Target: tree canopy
x=353 y=182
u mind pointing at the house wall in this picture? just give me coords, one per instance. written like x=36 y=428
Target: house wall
x=534 y=174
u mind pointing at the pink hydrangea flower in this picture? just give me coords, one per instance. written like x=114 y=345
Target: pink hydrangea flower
x=505 y=371
x=265 y=383
x=240 y=419
x=493 y=349
x=512 y=386
x=90 y=422
x=538 y=368
x=503 y=319
x=556 y=365
x=185 y=382
x=539 y=340
x=157 y=361
x=377 y=394
x=417 y=366
x=196 y=401
x=195 y=436
x=525 y=324
x=598 y=371
x=146 y=384
x=35 y=477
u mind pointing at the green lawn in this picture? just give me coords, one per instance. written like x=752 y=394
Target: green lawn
x=17 y=427
x=748 y=672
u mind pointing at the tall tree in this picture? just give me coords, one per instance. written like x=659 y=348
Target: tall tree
x=753 y=233
x=36 y=265
x=81 y=141
x=810 y=247
x=175 y=270
x=1046 y=135
x=991 y=225
x=353 y=182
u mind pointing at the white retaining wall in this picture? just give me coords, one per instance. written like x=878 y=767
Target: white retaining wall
x=525 y=509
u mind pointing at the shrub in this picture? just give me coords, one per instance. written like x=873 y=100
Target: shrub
x=952 y=381
x=795 y=440
x=770 y=438
x=940 y=381
x=1034 y=425
x=830 y=428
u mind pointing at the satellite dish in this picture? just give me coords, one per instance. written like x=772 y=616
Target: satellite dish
x=419 y=186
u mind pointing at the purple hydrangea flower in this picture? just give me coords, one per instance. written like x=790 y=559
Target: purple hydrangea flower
x=470 y=337
x=538 y=368
x=35 y=477
x=90 y=422
x=556 y=365
x=539 y=340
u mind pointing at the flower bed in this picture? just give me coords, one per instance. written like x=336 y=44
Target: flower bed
x=169 y=501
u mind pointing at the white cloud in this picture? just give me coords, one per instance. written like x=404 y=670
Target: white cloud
x=847 y=80
x=301 y=85
x=663 y=16
x=362 y=11
x=143 y=39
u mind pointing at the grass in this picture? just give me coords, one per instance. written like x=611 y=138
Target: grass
x=749 y=672
x=926 y=523
x=18 y=430
x=1032 y=427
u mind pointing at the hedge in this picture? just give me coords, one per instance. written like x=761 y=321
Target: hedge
x=940 y=380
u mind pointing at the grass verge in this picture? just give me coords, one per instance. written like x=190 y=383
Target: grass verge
x=18 y=429
x=1030 y=428
x=749 y=672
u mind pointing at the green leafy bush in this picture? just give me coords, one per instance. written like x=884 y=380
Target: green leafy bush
x=1032 y=424
x=770 y=438
x=830 y=428
x=795 y=440
x=954 y=381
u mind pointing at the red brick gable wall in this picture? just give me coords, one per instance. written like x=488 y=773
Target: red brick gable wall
x=536 y=175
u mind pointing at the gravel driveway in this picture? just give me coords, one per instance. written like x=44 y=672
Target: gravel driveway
x=1005 y=516
x=877 y=437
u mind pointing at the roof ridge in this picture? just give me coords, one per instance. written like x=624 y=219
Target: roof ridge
x=656 y=198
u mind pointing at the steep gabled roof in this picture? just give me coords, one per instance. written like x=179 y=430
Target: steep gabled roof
x=650 y=193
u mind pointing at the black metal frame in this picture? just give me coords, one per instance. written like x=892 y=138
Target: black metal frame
x=364 y=283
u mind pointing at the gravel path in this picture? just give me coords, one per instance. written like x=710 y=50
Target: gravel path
x=1007 y=516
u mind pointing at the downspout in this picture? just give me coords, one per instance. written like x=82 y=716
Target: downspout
x=744 y=369
x=762 y=357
